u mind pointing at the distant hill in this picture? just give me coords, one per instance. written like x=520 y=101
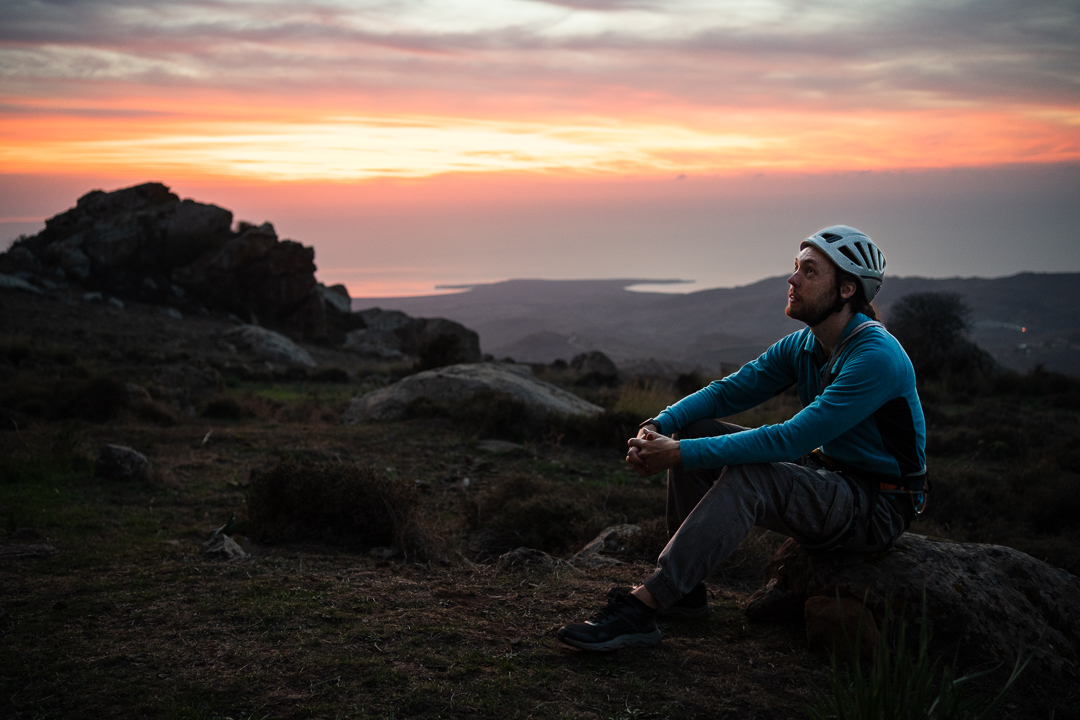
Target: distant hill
x=543 y=320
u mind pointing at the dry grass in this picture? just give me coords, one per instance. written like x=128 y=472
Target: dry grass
x=645 y=397
x=129 y=620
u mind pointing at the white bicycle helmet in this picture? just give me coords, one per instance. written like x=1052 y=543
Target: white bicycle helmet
x=853 y=252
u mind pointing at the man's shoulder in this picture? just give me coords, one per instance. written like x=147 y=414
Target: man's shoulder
x=878 y=347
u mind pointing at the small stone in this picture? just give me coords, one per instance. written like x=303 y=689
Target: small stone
x=524 y=557
x=601 y=550
x=223 y=547
x=11 y=282
x=116 y=462
x=135 y=394
x=499 y=447
x=382 y=554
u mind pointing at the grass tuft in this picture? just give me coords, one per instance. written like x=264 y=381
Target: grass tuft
x=899 y=685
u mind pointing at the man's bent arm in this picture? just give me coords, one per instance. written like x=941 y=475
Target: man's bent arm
x=753 y=384
x=860 y=389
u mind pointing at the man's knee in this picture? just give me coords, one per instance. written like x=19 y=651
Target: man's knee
x=743 y=476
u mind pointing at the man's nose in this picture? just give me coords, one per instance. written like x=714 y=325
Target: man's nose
x=791 y=279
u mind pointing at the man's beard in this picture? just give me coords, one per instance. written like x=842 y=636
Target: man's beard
x=817 y=313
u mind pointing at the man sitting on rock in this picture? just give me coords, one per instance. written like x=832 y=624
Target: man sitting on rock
x=846 y=473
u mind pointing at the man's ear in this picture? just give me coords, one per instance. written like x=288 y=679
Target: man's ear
x=847 y=290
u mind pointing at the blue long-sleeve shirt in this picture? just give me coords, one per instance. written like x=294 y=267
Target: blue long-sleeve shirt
x=869 y=417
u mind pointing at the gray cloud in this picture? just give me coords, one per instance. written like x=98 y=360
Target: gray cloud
x=989 y=51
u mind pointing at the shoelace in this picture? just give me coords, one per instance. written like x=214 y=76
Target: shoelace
x=615 y=606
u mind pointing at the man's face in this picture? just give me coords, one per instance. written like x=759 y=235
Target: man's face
x=812 y=287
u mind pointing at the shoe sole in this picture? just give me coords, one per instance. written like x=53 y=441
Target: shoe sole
x=639 y=640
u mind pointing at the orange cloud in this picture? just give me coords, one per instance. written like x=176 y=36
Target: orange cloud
x=279 y=144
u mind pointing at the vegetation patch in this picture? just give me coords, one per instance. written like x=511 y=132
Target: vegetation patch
x=340 y=503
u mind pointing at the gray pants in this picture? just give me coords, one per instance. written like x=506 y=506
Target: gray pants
x=710 y=511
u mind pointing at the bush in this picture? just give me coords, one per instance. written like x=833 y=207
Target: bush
x=226 y=407
x=559 y=518
x=689 y=383
x=536 y=513
x=98 y=399
x=344 y=504
x=932 y=328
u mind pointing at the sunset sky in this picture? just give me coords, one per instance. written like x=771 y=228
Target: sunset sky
x=419 y=143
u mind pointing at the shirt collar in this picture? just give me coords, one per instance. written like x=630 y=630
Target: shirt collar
x=811 y=342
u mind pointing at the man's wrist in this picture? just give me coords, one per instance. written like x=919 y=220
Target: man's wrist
x=651 y=421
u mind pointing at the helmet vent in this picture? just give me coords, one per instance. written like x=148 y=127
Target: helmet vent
x=846 y=252
x=865 y=256
x=831 y=237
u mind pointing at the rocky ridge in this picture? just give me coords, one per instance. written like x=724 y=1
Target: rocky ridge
x=144 y=244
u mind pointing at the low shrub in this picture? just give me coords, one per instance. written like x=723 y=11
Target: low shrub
x=97 y=399
x=345 y=504
x=93 y=398
x=227 y=407
x=559 y=518
x=522 y=510
x=329 y=375
x=610 y=428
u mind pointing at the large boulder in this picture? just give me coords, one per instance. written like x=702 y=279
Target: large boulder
x=268 y=345
x=988 y=601
x=459 y=383
x=144 y=243
x=431 y=342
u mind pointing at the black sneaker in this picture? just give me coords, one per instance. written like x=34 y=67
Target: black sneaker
x=625 y=622
x=694 y=605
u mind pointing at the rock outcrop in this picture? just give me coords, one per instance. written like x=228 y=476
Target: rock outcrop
x=144 y=243
x=459 y=383
x=595 y=368
x=988 y=601
x=430 y=342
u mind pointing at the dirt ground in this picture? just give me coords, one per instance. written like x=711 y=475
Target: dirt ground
x=128 y=619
